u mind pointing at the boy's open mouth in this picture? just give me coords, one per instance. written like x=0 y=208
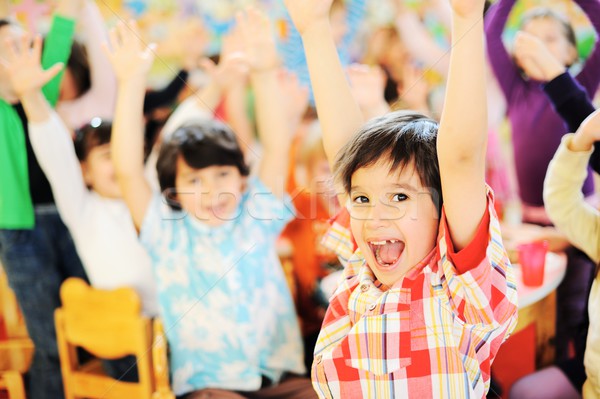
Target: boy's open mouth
x=386 y=252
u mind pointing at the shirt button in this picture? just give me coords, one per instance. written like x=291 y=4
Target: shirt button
x=318 y=358
x=372 y=306
x=364 y=287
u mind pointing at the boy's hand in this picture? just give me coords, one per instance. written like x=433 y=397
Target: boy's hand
x=295 y=96
x=306 y=13
x=535 y=58
x=231 y=71
x=587 y=134
x=259 y=42
x=130 y=57
x=23 y=65
x=415 y=88
x=368 y=85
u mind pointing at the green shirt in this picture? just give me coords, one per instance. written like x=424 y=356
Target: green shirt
x=16 y=208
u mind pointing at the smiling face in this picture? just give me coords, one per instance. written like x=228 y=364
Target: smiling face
x=99 y=172
x=393 y=219
x=210 y=194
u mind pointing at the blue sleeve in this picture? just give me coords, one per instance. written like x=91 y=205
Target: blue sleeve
x=264 y=211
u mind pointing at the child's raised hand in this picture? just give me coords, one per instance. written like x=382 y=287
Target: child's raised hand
x=259 y=41
x=368 y=85
x=588 y=133
x=23 y=65
x=305 y=13
x=534 y=57
x=415 y=89
x=295 y=95
x=232 y=69
x=129 y=56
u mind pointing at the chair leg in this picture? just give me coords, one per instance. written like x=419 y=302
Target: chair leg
x=14 y=384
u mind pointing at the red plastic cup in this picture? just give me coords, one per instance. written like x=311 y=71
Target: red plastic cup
x=532 y=258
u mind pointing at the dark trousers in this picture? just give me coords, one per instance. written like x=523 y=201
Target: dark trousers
x=36 y=262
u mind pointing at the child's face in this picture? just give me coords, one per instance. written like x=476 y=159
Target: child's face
x=210 y=194
x=393 y=219
x=551 y=33
x=99 y=172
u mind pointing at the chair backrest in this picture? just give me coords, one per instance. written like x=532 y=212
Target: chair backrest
x=16 y=349
x=108 y=324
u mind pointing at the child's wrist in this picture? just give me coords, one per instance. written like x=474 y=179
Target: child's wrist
x=579 y=142
x=316 y=31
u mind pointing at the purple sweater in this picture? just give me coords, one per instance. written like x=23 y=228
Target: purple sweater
x=536 y=127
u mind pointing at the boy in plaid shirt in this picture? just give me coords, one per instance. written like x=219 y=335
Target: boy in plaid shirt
x=429 y=295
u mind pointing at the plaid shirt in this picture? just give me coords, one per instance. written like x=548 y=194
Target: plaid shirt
x=434 y=334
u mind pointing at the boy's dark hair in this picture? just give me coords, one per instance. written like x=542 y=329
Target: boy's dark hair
x=93 y=134
x=548 y=13
x=4 y=22
x=200 y=144
x=398 y=137
x=79 y=67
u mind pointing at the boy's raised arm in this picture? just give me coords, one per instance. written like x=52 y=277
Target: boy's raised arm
x=339 y=113
x=462 y=136
x=131 y=61
x=50 y=138
x=273 y=128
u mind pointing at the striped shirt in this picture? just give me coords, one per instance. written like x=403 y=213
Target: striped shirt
x=433 y=334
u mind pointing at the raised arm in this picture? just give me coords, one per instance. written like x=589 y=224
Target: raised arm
x=235 y=104
x=572 y=103
x=368 y=85
x=562 y=189
x=419 y=41
x=273 y=129
x=500 y=60
x=339 y=113
x=462 y=136
x=131 y=61
x=50 y=138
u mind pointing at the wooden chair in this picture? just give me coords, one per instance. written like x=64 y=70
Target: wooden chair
x=109 y=325
x=16 y=349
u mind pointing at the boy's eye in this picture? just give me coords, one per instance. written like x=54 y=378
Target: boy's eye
x=399 y=197
x=360 y=199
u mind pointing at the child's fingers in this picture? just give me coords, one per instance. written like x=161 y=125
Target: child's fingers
x=48 y=74
x=37 y=49
x=113 y=38
x=108 y=53
x=149 y=52
x=11 y=46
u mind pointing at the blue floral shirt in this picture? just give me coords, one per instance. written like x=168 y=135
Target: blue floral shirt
x=227 y=309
